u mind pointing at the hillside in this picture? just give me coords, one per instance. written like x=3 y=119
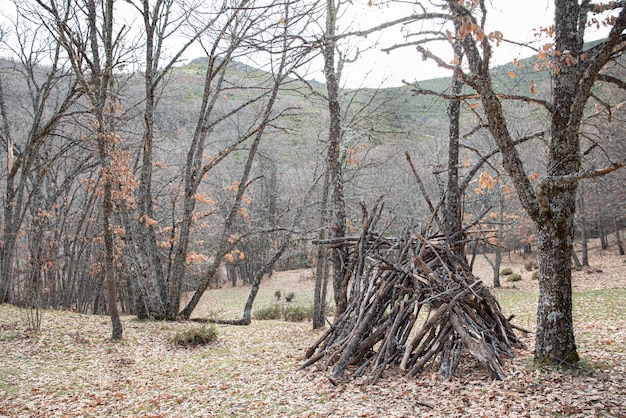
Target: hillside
x=402 y=108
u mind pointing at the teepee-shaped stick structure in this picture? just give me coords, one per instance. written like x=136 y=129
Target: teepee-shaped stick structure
x=413 y=304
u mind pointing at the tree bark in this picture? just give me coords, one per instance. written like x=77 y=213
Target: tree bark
x=321 y=272
x=554 y=342
x=339 y=255
x=452 y=213
x=618 y=238
x=553 y=207
x=583 y=228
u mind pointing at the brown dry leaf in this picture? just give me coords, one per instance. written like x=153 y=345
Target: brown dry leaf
x=72 y=368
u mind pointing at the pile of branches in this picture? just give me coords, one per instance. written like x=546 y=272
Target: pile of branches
x=413 y=304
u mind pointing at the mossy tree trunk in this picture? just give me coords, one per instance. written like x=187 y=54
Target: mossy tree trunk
x=552 y=208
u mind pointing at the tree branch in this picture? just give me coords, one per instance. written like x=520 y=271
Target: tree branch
x=585 y=174
x=491 y=153
x=407 y=19
x=418 y=90
x=613 y=80
x=603 y=7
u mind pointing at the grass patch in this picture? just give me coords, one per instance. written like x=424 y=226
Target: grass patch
x=229 y=301
x=522 y=304
x=583 y=368
x=291 y=313
x=514 y=277
x=271 y=312
x=195 y=336
x=298 y=313
x=605 y=304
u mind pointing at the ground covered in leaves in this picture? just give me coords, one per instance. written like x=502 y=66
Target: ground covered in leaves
x=71 y=368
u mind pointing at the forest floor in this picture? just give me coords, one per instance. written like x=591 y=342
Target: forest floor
x=71 y=368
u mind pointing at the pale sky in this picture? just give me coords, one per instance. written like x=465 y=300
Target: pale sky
x=516 y=19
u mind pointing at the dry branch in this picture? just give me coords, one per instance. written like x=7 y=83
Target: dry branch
x=395 y=283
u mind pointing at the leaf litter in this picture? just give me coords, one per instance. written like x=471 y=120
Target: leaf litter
x=72 y=368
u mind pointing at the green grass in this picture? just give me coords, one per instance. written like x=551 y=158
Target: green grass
x=9 y=374
x=195 y=336
x=521 y=303
x=228 y=302
x=604 y=305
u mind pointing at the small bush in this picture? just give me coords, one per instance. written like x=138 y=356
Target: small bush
x=277 y=294
x=535 y=275
x=514 y=277
x=274 y=311
x=290 y=296
x=295 y=313
x=506 y=271
x=193 y=337
x=292 y=313
x=531 y=265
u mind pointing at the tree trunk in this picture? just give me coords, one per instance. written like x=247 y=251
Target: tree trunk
x=583 y=228
x=452 y=213
x=618 y=239
x=496 y=267
x=9 y=233
x=500 y=237
x=339 y=255
x=552 y=208
x=604 y=242
x=321 y=272
x=555 y=343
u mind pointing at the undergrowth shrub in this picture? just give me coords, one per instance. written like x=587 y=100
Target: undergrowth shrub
x=531 y=265
x=195 y=336
x=535 y=275
x=506 y=271
x=274 y=311
x=292 y=313
x=290 y=296
x=298 y=313
x=514 y=277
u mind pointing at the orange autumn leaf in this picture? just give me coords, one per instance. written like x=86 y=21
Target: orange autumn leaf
x=485 y=181
x=243 y=212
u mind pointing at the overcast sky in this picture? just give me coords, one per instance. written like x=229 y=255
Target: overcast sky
x=516 y=19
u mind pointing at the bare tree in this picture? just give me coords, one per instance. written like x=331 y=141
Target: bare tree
x=552 y=207
x=574 y=71
x=280 y=37
x=34 y=110
x=338 y=220
x=92 y=40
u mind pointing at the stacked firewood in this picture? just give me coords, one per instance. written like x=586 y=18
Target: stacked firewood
x=413 y=304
